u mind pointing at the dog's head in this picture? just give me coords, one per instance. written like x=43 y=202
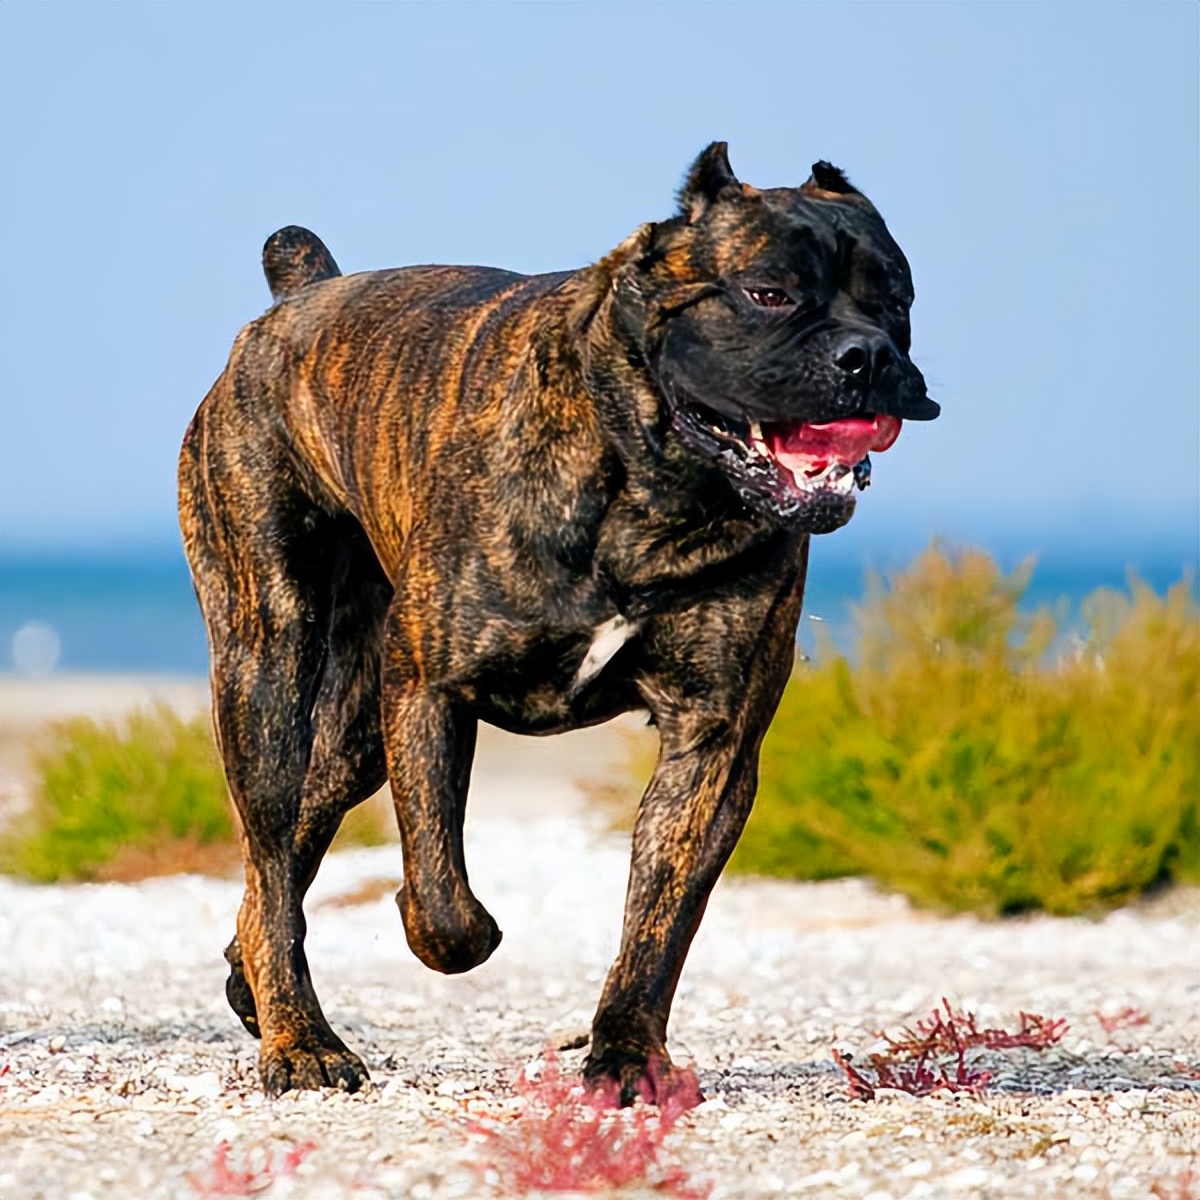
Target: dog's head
x=775 y=326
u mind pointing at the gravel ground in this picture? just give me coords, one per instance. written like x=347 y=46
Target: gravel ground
x=121 y=1069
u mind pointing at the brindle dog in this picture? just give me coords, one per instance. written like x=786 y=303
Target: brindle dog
x=422 y=498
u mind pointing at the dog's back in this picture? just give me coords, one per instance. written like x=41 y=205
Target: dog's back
x=393 y=374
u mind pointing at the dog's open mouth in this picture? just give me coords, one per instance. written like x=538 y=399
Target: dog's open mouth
x=805 y=472
x=831 y=454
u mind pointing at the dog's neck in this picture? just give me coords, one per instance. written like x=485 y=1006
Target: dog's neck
x=674 y=522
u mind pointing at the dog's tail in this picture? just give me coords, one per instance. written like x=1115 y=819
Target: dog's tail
x=293 y=257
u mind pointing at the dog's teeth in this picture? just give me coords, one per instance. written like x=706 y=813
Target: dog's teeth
x=837 y=476
x=756 y=432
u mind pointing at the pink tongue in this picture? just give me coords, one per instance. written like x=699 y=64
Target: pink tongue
x=847 y=441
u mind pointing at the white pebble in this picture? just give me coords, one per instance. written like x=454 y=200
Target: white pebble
x=969 y=1177
x=226 y=1130
x=202 y=1087
x=816 y=1179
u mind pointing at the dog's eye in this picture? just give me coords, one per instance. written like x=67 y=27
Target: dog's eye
x=767 y=297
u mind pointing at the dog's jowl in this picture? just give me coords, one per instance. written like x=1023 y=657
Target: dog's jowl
x=422 y=498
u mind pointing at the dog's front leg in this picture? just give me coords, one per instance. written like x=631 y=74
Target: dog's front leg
x=687 y=826
x=713 y=698
x=430 y=740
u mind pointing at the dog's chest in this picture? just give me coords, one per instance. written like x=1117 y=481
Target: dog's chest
x=545 y=680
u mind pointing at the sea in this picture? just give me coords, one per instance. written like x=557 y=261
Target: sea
x=136 y=613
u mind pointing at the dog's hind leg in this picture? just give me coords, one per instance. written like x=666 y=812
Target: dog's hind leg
x=346 y=764
x=265 y=561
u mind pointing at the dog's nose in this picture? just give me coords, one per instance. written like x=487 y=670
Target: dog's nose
x=862 y=357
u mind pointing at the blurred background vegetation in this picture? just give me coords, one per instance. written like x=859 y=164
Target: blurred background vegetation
x=968 y=753
x=974 y=757
x=140 y=797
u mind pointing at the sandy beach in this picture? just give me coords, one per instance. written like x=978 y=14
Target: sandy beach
x=122 y=1071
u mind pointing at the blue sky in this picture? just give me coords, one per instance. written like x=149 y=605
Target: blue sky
x=1038 y=163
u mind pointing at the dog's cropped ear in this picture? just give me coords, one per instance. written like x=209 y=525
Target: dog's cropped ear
x=634 y=248
x=827 y=182
x=709 y=176
x=606 y=276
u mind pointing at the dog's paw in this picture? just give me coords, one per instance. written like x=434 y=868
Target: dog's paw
x=449 y=937
x=287 y=1067
x=625 y=1076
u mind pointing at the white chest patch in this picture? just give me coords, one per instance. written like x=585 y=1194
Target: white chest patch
x=606 y=641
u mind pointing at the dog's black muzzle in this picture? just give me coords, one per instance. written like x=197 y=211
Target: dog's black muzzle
x=870 y=375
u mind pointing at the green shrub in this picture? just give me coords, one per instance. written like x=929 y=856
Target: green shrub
x=115 y=800
x=957 y=765
x=145 y=797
